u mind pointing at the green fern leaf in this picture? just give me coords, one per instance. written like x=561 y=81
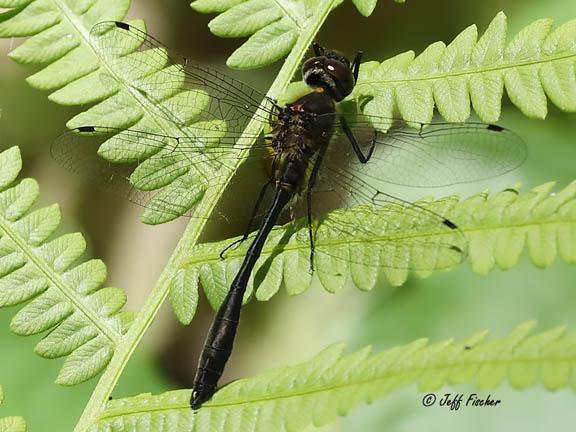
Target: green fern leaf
x=365 y=7
x=84 y=320
x=98 y=64
x=498 y=228
x=273 y=26
x=12 y=423
x=537 y=63
x=333 y=383
x=58 y=32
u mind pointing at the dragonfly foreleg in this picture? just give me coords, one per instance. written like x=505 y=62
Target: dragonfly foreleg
x=356 y=65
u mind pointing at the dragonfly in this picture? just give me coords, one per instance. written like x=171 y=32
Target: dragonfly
x=319 y=158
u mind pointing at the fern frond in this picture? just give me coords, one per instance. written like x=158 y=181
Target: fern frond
x=537 y=63
x=333 y=383
x=193 y=230
x=271 y=25
x=498 y=228
x=102 y=64
x=12 y=423
x=58 y=37
x=84 y=321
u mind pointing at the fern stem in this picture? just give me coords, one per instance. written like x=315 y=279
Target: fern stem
x=193 y=230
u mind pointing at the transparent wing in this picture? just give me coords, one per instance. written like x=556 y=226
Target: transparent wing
x=166 y=175
x=382 y=230
x=178 y=89
x=427 y=155
x=177 y=155
x=385 y=231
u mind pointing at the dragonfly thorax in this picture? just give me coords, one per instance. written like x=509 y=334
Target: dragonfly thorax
x=303 y=127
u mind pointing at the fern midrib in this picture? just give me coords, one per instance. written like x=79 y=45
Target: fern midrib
x=215 y=256
x=72 y=18
x=466 y=72
x=166 y=127
x=314 y=389
x=136 y=96
x=287 y=12
x=387 y=376
x=56 y=281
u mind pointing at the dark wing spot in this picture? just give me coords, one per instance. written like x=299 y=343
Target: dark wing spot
x=86 y=129
x=457 y=249
x=514 y=191
x=495 y=128
x=449 y=224
x=122 y=25
x=467 y=347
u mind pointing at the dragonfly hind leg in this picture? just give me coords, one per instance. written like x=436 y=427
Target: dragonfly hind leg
x=250 y=222
x=311 y=183
x=350 y=135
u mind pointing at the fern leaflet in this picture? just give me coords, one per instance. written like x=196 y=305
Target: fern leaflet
x=498 y=227
x=536 y=63
x=271 y=25
x=12 y=423
x=85 y=321
x=332 y=384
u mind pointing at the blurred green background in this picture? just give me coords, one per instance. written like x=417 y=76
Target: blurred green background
x=290 y=329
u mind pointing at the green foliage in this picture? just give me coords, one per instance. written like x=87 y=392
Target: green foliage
x=11 y=424
x=271 y=25
x=536 y=63
x=84 y=320
x=333 y=383
x=58 y=31
x=132 y=88
x=365 y=7
x=498 y=227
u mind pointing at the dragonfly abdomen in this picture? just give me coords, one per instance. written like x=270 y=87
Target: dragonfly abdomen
x=220 y=339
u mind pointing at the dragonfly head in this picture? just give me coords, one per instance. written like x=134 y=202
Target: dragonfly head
x=329 y=71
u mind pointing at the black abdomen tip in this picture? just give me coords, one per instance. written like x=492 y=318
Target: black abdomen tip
x=122 y=25
x=449 y=224
x=495 y=128
x=86 y=129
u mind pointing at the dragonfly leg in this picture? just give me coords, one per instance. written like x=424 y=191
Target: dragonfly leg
x=311 y=183
x=356 y=65
x=318 y=50
x=230 y=246
x=355 y=146
x=310 y=229
x=250 y=222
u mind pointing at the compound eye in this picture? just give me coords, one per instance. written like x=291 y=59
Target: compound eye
x=336 y=69
x=341 y=74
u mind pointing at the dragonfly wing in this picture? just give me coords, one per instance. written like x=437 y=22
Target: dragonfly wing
x=166 y=175
x=428 y=155
x=380 y=230
x=174 y=88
